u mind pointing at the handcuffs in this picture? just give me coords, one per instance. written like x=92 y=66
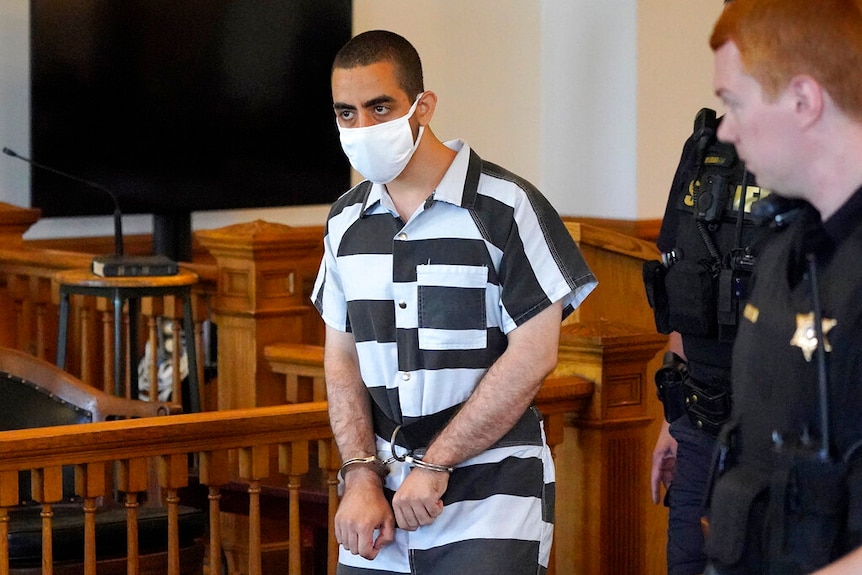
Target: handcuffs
x=381 y=467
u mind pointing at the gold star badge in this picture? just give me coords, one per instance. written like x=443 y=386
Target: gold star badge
x=805 y=337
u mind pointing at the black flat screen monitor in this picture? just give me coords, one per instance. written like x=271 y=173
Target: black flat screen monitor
x=182 y=106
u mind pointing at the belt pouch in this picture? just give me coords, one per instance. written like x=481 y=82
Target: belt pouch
x=807 y=504
x=708 y=404
x=691 y=298
x=731 y=529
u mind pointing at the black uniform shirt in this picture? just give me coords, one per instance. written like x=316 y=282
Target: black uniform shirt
x=775 y=371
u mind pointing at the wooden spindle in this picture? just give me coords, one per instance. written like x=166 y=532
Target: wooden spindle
x=132 y=479
x=8 y=498
x=16 y=286
x=214 y=466
x=293 y=461
x=40 y=289
x=153 y=341
x=47 y=489
x=330 y=462
x=90 y=483
x=173 y=474
x=107 y=351
x=176 y=357
x=4 y=540
x=199 y=350
x=254 y=466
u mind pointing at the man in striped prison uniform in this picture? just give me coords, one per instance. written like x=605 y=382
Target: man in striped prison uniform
x=443 y=284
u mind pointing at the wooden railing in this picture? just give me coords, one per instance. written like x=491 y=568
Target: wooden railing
x=233 y=445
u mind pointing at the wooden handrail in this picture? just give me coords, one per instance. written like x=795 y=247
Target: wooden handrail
x=245 y=436
x=42 y=262
x=148 y=437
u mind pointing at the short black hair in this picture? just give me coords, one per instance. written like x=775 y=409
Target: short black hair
x=383 y=46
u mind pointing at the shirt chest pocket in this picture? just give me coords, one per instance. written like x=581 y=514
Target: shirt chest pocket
x=452 y=311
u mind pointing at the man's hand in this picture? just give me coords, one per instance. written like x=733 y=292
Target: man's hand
x=364 y=522
x=418 y=501
x=663 y=462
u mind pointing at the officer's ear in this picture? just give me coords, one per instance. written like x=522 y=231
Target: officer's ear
x=808 y=99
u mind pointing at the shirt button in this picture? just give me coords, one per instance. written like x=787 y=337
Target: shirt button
x=402 y=236
x=405 y=376
x=402 y=304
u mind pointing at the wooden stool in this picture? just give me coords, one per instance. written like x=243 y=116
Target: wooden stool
x=130 y=289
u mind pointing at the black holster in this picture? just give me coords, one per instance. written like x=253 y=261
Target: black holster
x=669 y=379
x=654 y=273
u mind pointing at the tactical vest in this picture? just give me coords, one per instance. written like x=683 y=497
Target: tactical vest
x=697 y=287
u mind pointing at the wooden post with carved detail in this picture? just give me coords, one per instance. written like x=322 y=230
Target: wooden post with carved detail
x=265 y=272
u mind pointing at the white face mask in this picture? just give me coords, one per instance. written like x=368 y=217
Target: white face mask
x=381 y=152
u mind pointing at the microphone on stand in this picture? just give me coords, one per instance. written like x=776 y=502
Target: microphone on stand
x=118 y=216
x=117 y=264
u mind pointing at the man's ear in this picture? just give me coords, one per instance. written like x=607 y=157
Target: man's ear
x=425 y=108
x=808 y=97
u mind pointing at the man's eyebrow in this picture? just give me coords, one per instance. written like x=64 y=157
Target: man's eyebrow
x=377 y=101
x=341 y=106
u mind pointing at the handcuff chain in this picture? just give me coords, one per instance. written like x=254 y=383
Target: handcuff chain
x=411 y=459
x=392 y=446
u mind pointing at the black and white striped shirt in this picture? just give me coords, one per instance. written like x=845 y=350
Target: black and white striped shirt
x=430 y=303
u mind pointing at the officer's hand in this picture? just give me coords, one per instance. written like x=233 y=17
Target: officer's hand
x=663 y=462
x=364 y=522
x=418 y=501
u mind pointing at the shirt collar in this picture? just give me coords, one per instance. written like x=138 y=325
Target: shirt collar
x=456 y=187
x=451 y=186
x=845 y=221
x=822 y=238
